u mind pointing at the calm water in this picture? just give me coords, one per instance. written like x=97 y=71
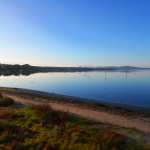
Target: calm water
x=124 y=87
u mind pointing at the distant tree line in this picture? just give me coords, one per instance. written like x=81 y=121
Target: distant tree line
x=8 y=69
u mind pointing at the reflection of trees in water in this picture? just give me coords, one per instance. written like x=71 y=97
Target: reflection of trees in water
x=9 y=74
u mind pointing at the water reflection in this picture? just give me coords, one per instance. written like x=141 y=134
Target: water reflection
x=130 y=87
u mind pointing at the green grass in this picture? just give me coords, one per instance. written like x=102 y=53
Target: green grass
x=40 y=127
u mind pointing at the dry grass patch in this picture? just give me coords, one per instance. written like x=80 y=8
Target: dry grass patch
x=108 y=139
x=52 y=116
x=6 y=113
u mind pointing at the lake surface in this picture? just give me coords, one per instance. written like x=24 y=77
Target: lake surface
x=129 y=87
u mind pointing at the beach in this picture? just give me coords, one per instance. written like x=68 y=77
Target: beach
x=122 y=115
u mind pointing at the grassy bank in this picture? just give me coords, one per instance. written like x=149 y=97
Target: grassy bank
x=40 y=127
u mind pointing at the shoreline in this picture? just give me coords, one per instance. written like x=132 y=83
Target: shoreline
x=88 y=100
x=84 y=100
x=123 y=116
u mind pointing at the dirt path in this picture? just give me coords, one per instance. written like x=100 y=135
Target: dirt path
x=101 y=116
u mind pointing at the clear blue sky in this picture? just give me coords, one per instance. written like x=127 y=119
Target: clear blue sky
x=75 y=32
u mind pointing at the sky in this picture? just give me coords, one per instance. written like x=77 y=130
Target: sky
x=75 y=32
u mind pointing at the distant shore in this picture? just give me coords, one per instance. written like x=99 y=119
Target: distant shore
x=26 y=69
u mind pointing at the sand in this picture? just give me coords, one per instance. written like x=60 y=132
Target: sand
x=139 y=123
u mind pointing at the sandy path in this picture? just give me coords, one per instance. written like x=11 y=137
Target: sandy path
x=101 y=116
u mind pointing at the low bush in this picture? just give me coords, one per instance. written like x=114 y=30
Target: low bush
x=108 y=139
x=6 y=113
x=52 y=116
x=1 y=96
x=6 y=101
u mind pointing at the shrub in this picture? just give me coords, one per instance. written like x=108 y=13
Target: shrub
x=5 y=114
x=108 y=139
x=6 y=101
x=8 y=126
x=52 y=116
x=8 y=131
x=1 y=95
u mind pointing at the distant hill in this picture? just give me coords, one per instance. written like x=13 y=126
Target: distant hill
x=122 y=67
